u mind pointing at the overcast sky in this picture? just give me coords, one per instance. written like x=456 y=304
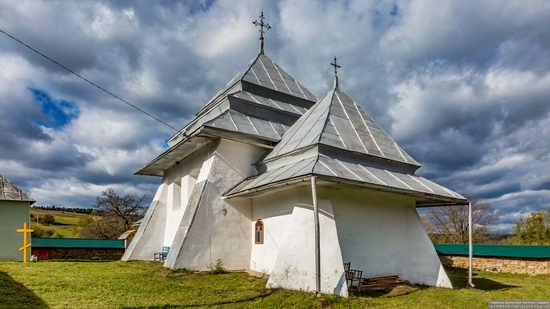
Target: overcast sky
x=463 y=86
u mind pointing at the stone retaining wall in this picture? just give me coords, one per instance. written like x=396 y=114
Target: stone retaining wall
x=495 y=264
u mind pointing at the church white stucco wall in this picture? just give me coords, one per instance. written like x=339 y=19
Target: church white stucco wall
x=287 y=253
x=381 y=234
x=161 y=219
x=150 y=235
x=219 y=228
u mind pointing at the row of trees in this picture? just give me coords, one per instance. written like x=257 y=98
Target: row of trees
x=450 y=225
x=69 y=209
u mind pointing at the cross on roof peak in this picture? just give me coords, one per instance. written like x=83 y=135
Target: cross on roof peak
x=262 y=24
x=336 y=67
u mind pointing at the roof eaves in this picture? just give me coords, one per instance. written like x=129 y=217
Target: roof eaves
x=439 y=199
x=169 y=150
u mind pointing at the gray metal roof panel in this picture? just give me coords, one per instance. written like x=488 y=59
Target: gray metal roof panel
x=237 y=122
x=306 y=130
x=268 y=102
x=10 y=192
x=264 y=72
x=323 y=165
x=338 y=121
x=291 y=170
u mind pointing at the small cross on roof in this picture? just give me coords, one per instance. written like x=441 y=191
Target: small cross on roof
x=262 y=24
x=336 y=67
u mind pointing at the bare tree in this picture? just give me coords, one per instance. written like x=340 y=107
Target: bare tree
x=450 y=223
x=118 y=212
x=126 y=208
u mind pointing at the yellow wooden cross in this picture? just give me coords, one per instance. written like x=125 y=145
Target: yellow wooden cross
x=26 y=244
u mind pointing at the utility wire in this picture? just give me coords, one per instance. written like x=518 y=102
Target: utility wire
x=87 y=80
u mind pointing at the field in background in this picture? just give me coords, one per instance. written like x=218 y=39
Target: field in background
x=147 y=284
x=67 y=224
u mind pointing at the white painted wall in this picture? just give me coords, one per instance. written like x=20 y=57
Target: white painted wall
x=150 y=235
x=187 y=184
x=179 y=192
x=218 y=229
x=381 y=234
x=287 y=253
x=173 y=212
x=276 y=216
x=162 y=218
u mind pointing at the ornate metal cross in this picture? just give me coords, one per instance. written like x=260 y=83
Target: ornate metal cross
x=336 y=67
x=263 y=28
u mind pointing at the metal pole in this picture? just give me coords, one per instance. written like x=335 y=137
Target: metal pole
x=470 y=245
x=317 y=238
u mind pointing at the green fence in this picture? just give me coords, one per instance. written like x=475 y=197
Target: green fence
x=530 y=252
x=77 y=243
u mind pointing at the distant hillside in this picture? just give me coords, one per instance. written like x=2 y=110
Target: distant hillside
x=60 y=222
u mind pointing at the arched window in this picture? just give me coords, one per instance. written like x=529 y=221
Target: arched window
x=259 y=232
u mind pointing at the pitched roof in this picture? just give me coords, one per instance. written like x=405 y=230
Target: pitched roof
x=9 y=192
x=338 y=121
x=264 y=72
x=337 y=141
x=259 y=104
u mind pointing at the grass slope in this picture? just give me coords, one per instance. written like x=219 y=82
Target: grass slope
x=149 y=285
x=67 y=224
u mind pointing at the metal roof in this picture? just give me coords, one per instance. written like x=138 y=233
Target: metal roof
x=173 y=155
x=235 y=121
x=9 y=192
x=356 y=171
x=270 y=103
x=264 y=72
x=338 y=121
x=258 y=105
x=337 y=141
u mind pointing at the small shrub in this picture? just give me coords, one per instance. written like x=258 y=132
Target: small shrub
x=41 y=232
x=83 y=221
x=216 y=268
x=47 y=219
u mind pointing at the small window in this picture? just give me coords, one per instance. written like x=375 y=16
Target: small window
x=259 y=232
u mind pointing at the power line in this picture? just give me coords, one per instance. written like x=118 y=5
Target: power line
x=87 y=80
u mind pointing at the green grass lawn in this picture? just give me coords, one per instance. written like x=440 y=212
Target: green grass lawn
x=147 y=284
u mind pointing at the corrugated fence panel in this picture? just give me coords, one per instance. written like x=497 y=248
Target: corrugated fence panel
x=77 y=243
x=531 y=252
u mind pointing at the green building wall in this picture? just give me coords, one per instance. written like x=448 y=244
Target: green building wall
x=13 y=214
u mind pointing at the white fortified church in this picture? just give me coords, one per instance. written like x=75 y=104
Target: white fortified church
x=271 y=179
